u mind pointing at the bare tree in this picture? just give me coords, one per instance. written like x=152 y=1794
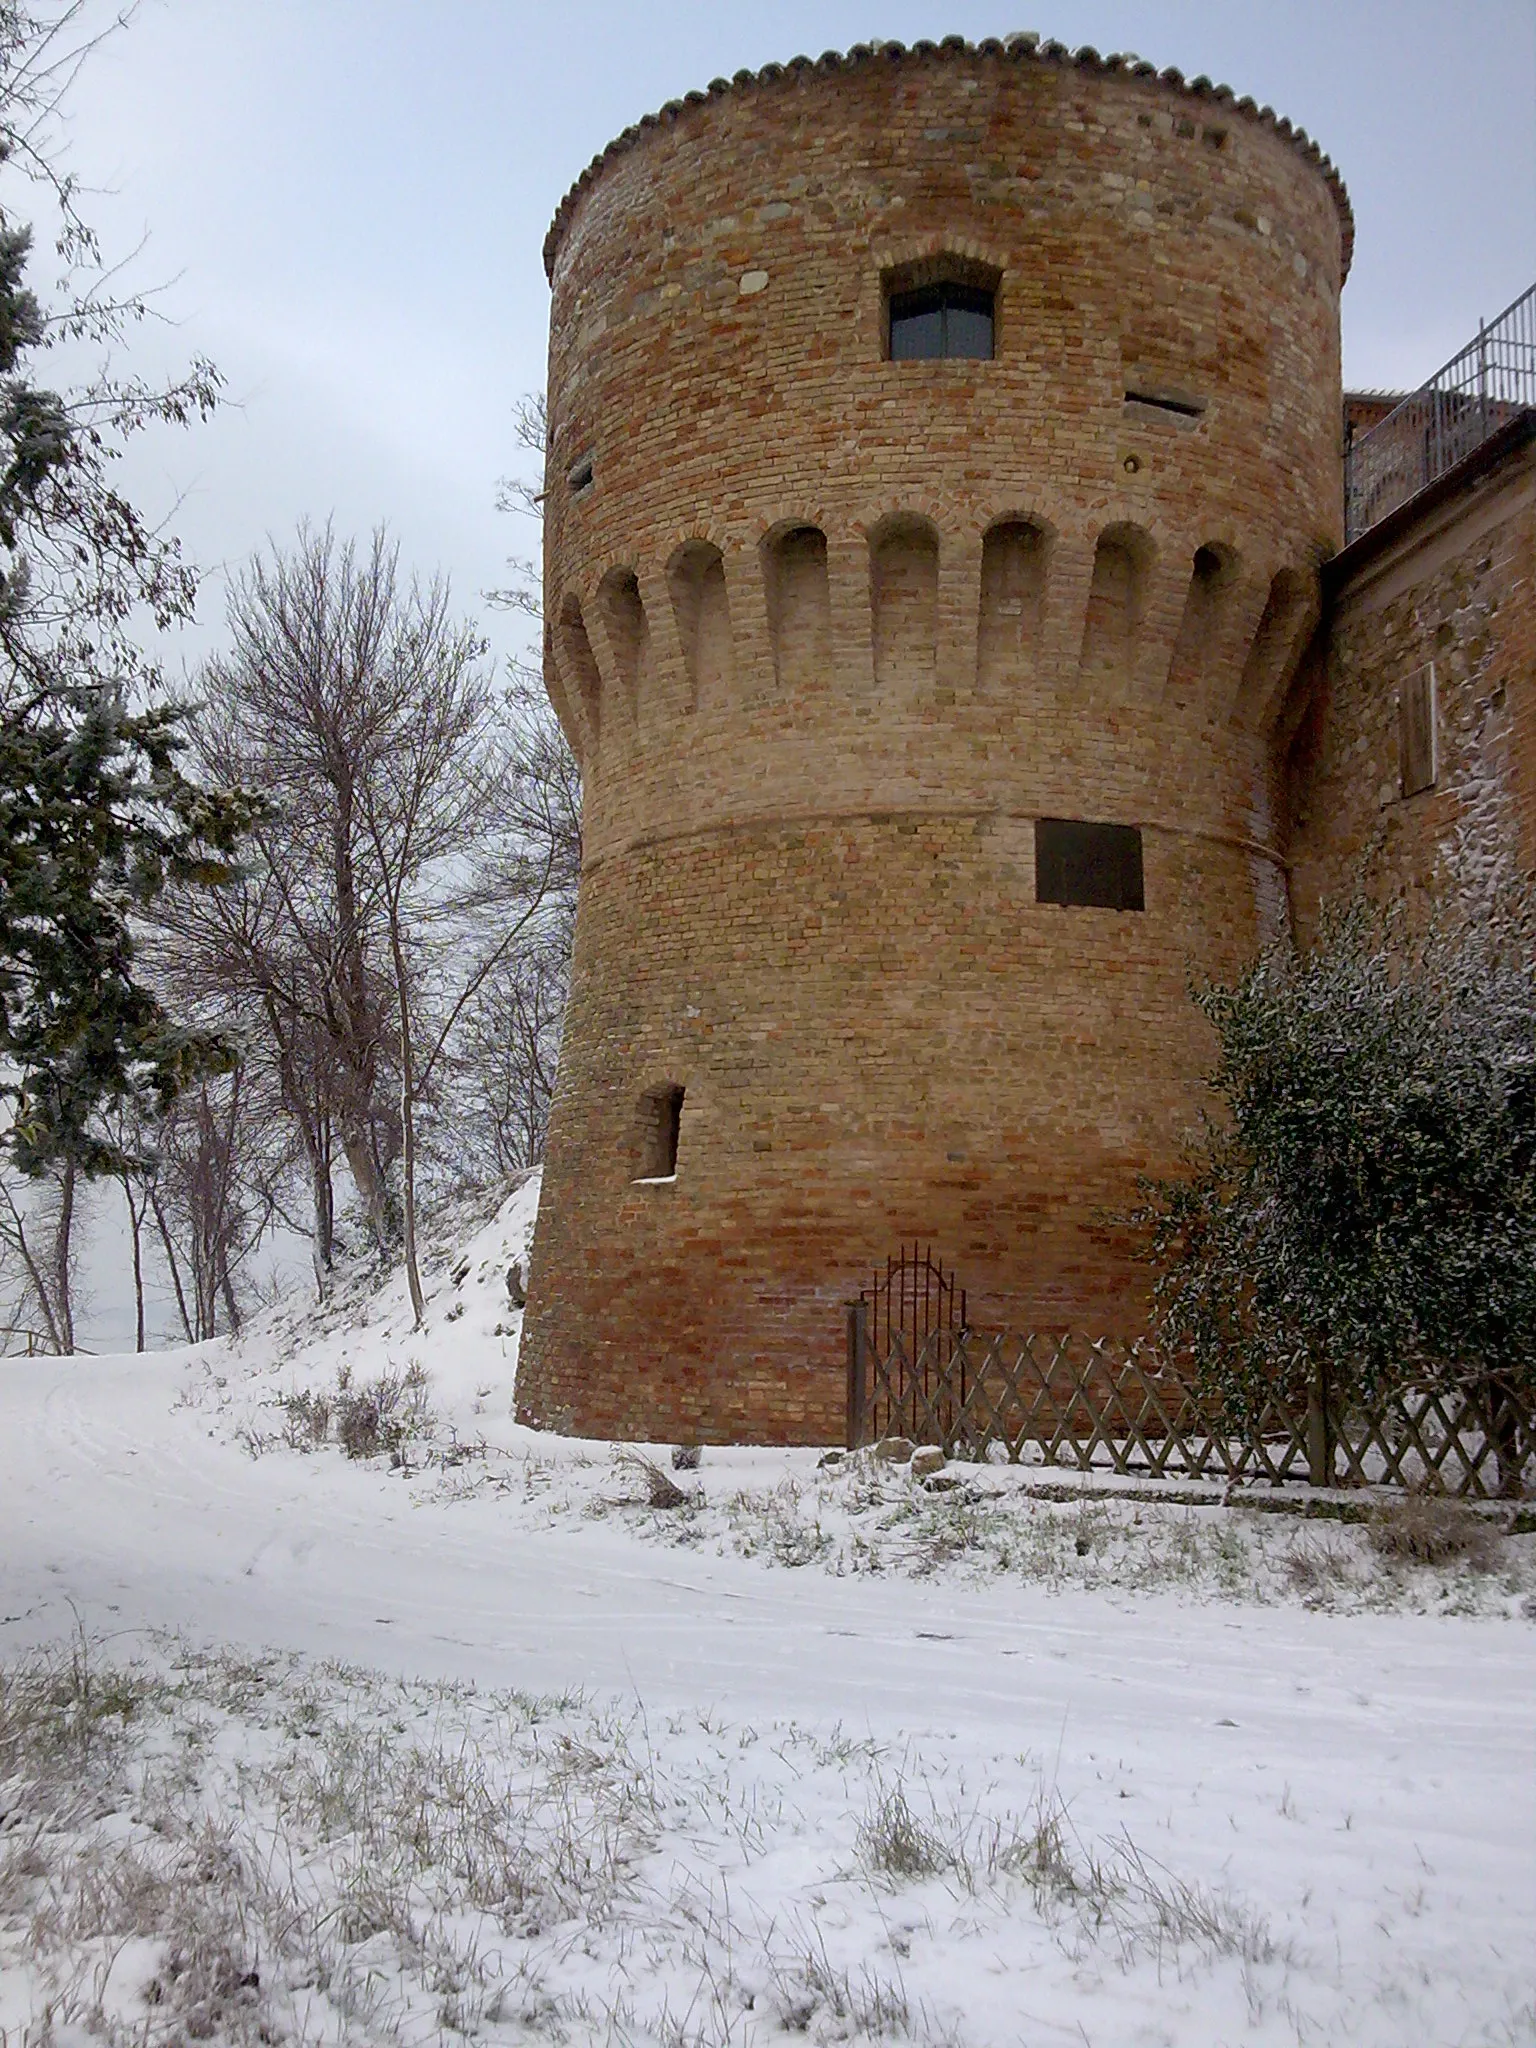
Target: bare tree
x=506 y=1053
x=325 y=642
x=37 y=1246
x=420 y=834
x=208 y=1215
x=523 y=495
x=462 y=880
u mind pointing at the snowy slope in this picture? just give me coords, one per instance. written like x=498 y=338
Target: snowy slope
x=1344 y=1801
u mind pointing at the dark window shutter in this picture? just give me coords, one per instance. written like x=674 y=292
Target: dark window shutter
x=1095 y=867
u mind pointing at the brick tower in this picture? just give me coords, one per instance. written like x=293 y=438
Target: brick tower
x=943 y=445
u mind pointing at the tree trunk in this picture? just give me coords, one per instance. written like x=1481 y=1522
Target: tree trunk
x=324 y=1194
x=172 y=1261
x=136 y=1229
x=231 y=1306
x=63 y=1245
x=204 y=1278
x=359 y=1037
x=407 y=1130
x=371 y=1186
x=304 y=1106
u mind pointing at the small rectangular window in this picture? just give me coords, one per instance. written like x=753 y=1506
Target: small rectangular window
x=941 y=320
x=579 y=478
x=1416 y=732
x=1096 y=867
x=661 y=1123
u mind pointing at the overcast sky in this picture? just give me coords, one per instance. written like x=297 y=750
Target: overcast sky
x=347 y=199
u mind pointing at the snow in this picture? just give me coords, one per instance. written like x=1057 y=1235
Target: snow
x=1308 y=1794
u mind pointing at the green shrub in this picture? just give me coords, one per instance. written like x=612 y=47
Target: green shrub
x=1365 y=1197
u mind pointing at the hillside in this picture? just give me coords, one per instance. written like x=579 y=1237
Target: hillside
x=467 y=1740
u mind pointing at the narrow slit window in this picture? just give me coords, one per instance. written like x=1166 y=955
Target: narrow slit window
x=938 y=320
x=1094 y=867
x=579 y=478
x=1416 y=732
x=1181 y=408
x=661 y=1123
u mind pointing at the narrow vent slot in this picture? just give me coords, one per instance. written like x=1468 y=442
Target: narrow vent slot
x=1183 y=408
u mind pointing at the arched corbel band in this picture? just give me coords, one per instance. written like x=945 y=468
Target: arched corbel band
x=899 y=607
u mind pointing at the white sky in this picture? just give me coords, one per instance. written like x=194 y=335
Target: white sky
x=348 y=198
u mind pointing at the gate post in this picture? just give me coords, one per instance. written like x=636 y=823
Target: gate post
x=858 y=1319
x=1319 y=1428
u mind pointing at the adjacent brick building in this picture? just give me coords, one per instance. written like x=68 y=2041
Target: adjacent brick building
x=1430 y=618
x=944 y=461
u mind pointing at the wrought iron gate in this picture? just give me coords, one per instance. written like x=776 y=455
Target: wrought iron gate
x=906 y=1361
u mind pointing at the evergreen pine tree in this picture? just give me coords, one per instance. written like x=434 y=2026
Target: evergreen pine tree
x=97 y=815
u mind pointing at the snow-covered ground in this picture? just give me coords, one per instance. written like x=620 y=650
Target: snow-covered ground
x=466 y=1739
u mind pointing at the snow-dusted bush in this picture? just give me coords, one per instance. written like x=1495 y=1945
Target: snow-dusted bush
x=382 y=1416
x=1424 y=1528
x=1365 y=1198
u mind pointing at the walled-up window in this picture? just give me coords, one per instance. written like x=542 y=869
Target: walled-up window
x=628 y=630
x=1212 y=584
x=1094 y=867
x=577 y=663
x=941 y=320
x=661 y=1124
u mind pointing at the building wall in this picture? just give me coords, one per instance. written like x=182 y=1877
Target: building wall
x=1452 y=585
x=830 y=633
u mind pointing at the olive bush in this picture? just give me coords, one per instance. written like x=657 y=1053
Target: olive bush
x=1363 y=1197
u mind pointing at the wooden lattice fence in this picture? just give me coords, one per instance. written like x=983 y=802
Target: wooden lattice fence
x=916 y=1369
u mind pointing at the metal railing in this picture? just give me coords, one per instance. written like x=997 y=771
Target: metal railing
x=1480 y=390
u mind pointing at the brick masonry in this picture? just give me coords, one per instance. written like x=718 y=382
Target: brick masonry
x=1450 y=585
x=829 y=633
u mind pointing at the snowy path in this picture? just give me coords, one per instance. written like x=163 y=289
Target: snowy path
x=1376 y=1771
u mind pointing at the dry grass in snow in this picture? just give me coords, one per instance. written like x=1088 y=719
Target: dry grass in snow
x=979 y=1524
x=208 y=1847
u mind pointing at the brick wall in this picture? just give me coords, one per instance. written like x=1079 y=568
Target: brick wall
x=1452 y=585
x=829 y=633
x=1366 y=409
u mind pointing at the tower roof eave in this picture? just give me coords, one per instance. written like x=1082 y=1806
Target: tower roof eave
x=1019 y=49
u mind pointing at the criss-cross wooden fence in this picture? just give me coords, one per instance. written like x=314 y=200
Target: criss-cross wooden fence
x=916 y=1369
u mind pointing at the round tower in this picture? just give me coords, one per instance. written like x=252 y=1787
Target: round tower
x=943 y=445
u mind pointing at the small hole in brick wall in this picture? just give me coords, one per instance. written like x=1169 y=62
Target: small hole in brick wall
x=580 y=477
x=661 y=1123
